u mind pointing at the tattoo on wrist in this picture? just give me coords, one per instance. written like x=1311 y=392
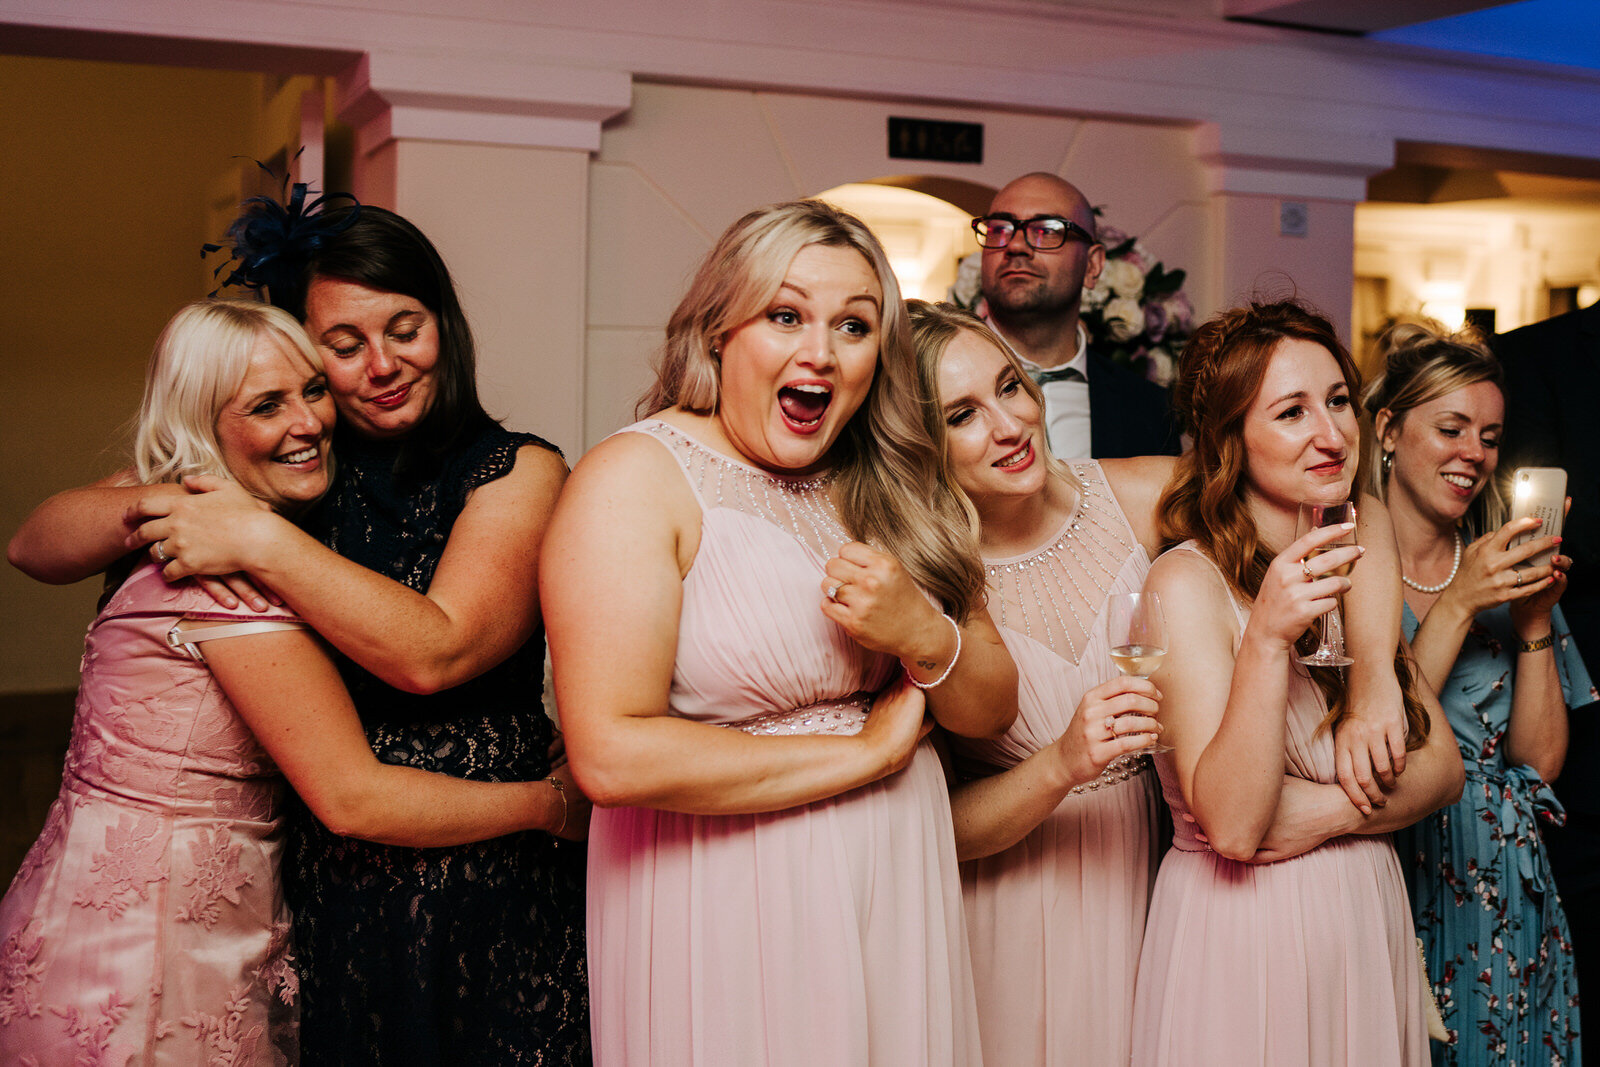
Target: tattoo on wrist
x=927 y=664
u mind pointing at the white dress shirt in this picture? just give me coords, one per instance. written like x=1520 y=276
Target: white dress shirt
x=1066 y=404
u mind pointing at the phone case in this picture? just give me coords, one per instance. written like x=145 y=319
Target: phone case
x=1540 y=492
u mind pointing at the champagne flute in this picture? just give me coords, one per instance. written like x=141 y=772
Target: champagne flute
x=1136 y=631
x=1330 y=650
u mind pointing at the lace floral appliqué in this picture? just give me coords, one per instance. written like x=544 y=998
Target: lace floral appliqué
x=93 y=1033
x=226 y=1042
x=20 y=971
x=216 y=877
x=128 y=867
x=278 y=970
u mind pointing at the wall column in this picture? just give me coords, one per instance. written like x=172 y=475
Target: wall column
x=1282 y=213
x=496 y=172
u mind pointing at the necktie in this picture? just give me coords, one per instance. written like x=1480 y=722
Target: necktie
x=1060 y=374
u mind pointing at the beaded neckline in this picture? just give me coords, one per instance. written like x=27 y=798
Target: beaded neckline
x=1054 y=593
x=799 y=483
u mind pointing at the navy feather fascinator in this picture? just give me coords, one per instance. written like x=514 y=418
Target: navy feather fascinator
x=271 y=243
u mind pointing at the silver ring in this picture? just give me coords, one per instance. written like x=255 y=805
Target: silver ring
x=1519 y=578
x=833 y=591
x=1305 y=566
x=160 y=553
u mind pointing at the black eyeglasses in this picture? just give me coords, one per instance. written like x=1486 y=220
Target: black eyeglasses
x=1042 y=232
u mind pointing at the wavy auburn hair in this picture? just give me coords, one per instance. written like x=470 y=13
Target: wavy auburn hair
x=1219 y=377
x=889 y=481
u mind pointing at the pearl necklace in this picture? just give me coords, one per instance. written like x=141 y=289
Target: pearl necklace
x=1454 y=567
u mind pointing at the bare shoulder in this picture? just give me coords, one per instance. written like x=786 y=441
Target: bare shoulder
x=629 y=486
x=1138 y=483
x=1183 y=574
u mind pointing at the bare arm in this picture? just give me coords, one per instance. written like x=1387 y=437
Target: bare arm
x=290 y=694
x=1370 y=741
x=481 y=605
x=878 y=604
x=1536 y=734
x=80 y=532
x=995 y=812
x=623 y=536
x=1225 y=713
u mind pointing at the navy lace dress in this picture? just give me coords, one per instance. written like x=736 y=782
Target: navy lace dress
x=470 y=954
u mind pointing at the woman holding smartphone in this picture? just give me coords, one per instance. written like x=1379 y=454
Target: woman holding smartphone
x=1486 y=631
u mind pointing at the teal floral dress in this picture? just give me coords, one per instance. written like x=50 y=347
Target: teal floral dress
x=1499 y=955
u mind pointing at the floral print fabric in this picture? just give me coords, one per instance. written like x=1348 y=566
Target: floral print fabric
x=1499 y=955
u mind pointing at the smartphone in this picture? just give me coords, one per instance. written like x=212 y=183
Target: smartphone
x=1538 y=492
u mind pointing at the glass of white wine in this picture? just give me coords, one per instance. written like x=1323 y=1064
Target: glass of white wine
x=1330 y=650
x=1136 y=631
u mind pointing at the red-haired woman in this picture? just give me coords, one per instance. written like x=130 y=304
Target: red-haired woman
x=1279 y=931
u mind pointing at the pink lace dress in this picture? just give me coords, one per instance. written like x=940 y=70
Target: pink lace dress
x=146 y=925
x=1308 y=962
x=1056 y=920
x=829 y=933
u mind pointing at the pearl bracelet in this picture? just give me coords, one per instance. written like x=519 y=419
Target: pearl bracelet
x=947 y=670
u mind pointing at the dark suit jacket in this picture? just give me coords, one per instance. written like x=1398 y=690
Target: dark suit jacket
x=1128 y=415
x=1553 y=420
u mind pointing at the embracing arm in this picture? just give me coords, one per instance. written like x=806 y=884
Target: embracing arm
x=291 y=696
x=1310 y=813
x=481 y=605
x=995 y=812
x=1225 y=712
x=620 y=542
x=1370 y=740
x=80 y=532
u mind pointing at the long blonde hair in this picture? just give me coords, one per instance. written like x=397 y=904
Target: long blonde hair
x=1421 y=363
x=890 y=482
x=198 y=364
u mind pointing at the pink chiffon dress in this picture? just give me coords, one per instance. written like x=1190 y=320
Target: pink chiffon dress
x=828 y=933
x=147 y=925
x=1055 y=921
x=1307 y=962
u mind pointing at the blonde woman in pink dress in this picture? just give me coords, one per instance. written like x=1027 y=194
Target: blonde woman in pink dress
x=1279 y=932
x=147 y=923
x=772 y=872
x=1057 y=839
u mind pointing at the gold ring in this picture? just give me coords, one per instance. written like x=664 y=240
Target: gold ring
x=160 y=553
x=1305 y=565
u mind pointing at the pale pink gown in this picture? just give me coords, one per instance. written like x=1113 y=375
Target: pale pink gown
x=146 y=925
x=1308 y=961
x=829 y=933
x=1056 y=920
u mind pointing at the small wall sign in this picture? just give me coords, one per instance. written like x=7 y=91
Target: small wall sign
x=931 y=139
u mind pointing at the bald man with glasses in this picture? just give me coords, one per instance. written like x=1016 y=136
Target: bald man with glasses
x=1039 y=251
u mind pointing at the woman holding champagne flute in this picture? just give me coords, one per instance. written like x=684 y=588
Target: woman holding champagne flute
x=1055 y=824
x=1279 y=930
